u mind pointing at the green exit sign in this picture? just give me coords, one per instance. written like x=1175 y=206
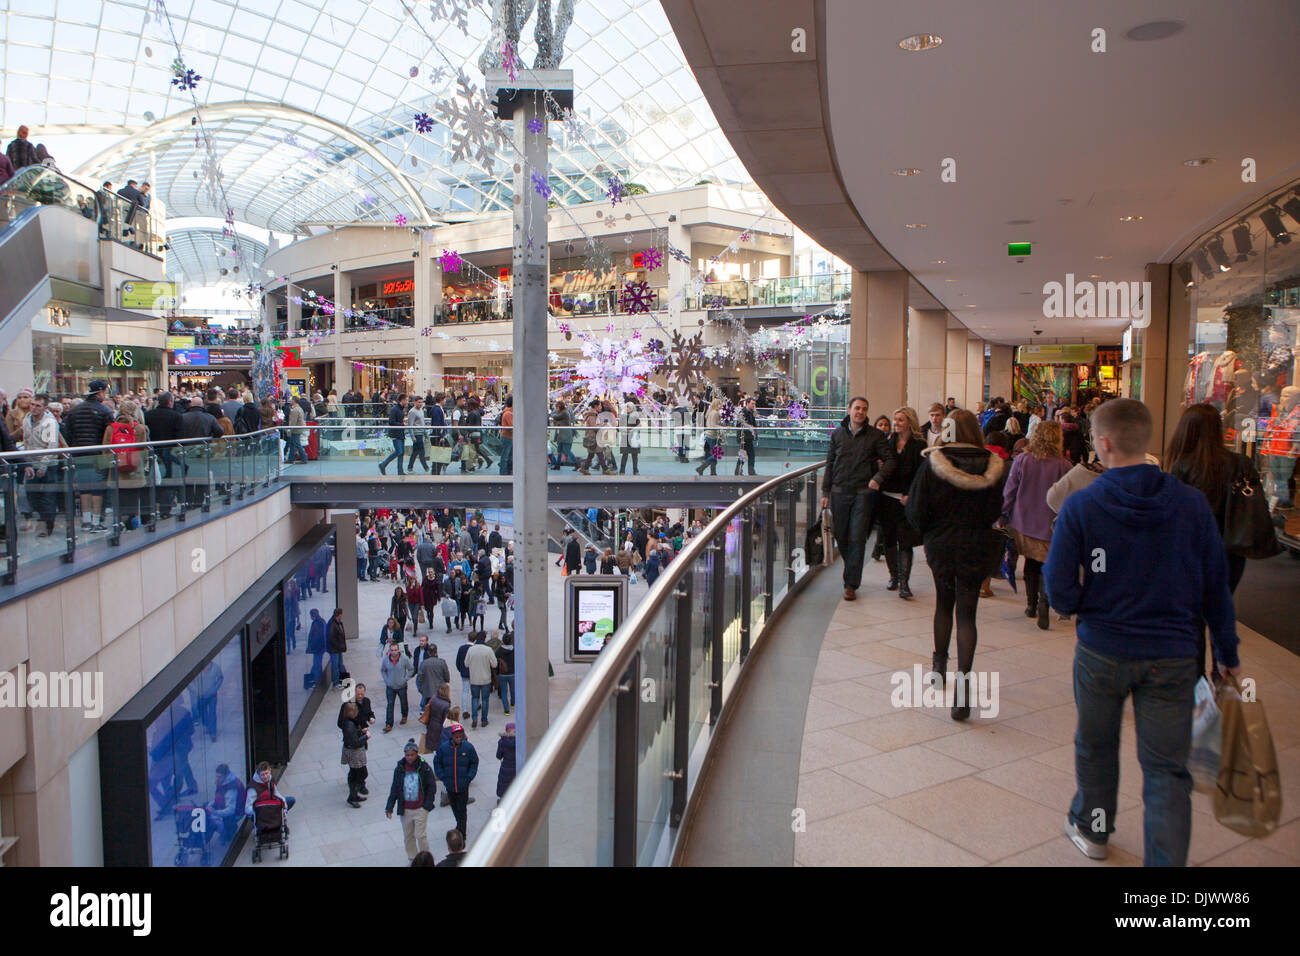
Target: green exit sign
x=1018 y=249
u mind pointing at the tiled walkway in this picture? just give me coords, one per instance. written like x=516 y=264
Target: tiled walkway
x=883 y=786
x=325 y=830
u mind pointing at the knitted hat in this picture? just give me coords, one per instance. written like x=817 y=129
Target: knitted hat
x=411 y=746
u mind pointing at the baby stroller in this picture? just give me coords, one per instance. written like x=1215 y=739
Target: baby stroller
x=270 y=827
x=382 y=560
x=192 y=840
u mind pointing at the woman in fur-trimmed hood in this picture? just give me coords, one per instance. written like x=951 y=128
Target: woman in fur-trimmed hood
x=954 y=501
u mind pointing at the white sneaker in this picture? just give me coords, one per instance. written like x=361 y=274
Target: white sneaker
x=1089 y=848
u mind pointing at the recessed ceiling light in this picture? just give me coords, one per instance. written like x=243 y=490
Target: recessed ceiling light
x=1155 y=30
x=1203 y=161
x=1094 y=275
x=904 y=172
x=914 y=225
x=919 y=42
x=1103 y=257
x=949 y=280
x=1130 y=218
x=972 y=306
x=939 y=262
x=1019 y=222
x=1064 y=202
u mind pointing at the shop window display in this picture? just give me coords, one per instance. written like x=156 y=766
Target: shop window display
x=1242 y=359
x=198 y=766
x=309 y=600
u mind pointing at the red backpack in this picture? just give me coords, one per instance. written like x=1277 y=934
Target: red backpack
x=128 y=459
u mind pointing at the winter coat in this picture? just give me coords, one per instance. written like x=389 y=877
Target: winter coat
x=1024 y=497
x=852 y=461
x=456 y=766
x=316 y=636
x=954 y=500
x=85 y=424
x=429 y=786
x=909 y=462
x=562 y=422
x=396 y=673
x=433 y=674
x=136 y=478
x=506 y=754
x=336 y=642
x=196 y=423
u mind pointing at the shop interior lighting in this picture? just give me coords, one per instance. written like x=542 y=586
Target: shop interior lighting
x=1241 y=238
x=919 y=42
x=1292 y=207
x=1185 y=274
x=1272 y=217
x=1203 y=264
x=1218 y=253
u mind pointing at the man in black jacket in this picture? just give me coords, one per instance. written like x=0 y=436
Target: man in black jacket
x=85 y=426
x=412 y=794
x=749 y=437
x=858 y=461
x=572 y=554
x=164 y=424
x=397 y=430
x=197 y=423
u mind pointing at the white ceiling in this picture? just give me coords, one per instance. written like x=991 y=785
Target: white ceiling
x=1032 y=117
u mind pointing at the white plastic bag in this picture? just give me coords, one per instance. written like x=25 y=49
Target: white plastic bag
x=1207 y=738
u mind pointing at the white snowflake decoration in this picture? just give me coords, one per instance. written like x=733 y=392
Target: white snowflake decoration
x=453 y=11
x=476 y=132
x=612 y=368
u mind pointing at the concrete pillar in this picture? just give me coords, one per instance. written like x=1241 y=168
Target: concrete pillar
x=878 y=339
x=927 y=346
x=295 y=308
x=428 y=302
x=954 y=381
x=1000 y=358
x=974 y=375
x=1164 y=349
x=342 y=301
x=679 y=273
x=346 y=597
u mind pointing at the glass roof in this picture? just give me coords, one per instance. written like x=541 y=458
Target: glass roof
x=311 y=104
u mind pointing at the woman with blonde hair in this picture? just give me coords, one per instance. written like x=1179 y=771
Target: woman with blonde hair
x=712 y=437
x=896 y=535
x=1025 y=510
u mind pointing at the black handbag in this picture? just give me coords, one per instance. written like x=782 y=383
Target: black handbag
x=1248 y=530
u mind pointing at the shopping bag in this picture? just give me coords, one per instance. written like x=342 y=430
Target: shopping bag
x=1008 y=569
x=440 y=454
x=1249 y=796
x=1207 y=738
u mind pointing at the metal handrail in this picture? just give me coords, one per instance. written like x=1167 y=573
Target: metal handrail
x=534 y=790
x=166 y=443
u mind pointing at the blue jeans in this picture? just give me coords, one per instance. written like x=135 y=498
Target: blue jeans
x=1162 y=690
x=362 y=563
x=851 y=516
x=506 y=683
x=395 y=695
x=293 y=448
x=507 y=456
x=481 y=695
x=336 y=665
x=563 y=455
x=399 y=446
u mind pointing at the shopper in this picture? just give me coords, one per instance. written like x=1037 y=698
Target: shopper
x=456 y=763
x=506 y=670
x=1137 y=557
x=714 y=447
x=412 y=793
x=463 y=670
x=431 y=673
x=481 y=663
x=562 y=424
x=84 y=426
x=1197 y=456
x=1025 y=510
x=415 y=425
x=336 y=642
x=40 y=431
x=396 y=670
x=954 y=500
x=630 y=428
x=858 y=461
x=897 y=536
x=932 y=430
x=455 y=849
x=397 y=432
x=355 y=739
x=434 y=716
x=506 y=754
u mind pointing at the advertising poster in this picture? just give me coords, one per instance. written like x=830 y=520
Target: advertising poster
x=595 y=616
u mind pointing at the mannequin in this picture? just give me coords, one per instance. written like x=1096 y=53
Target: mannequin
x=1281 y=448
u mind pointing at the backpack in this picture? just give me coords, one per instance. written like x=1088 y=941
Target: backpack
x=128 y=459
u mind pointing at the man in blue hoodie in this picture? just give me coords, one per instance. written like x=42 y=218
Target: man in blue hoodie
x=1138 y=557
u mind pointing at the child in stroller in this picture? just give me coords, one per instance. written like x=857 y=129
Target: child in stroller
x=270 y=826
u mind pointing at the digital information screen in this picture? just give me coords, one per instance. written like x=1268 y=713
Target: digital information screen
x=594 y=607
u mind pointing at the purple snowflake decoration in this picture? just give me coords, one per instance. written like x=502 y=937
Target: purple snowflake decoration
x=653 y=258
x=797 y=412
x=423 y=122
x=655 y=345
x=717 y=452
x=636 y=297
x=426 y=331
x=451 y=261
x=727 y=414
x=186 y=79
x=679 y=255
x=616 y=191
x=541 y=186
x=745 y=237
x=327 y=308
x=400 y=220
x=509 y=62
x=536 y=125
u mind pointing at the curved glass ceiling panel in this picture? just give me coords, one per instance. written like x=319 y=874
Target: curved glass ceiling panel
x=311 y=103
